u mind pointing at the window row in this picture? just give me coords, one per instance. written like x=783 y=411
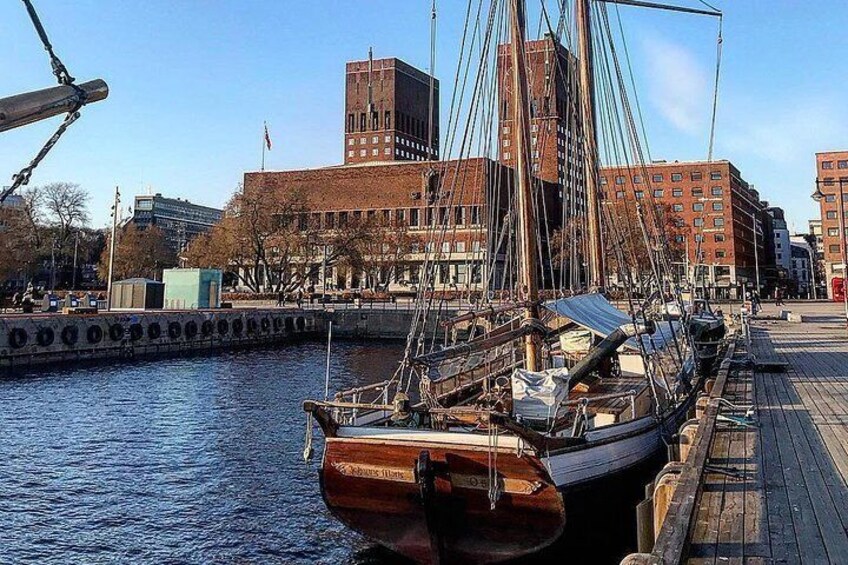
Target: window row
x=660 y=177
x=412 y=217
x=676 y=193
x=841 y=164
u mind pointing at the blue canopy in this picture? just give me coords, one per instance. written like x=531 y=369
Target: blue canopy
x=594 y=313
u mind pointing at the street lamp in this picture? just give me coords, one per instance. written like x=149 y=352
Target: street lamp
x=818 y=195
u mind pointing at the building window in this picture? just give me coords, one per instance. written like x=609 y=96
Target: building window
x=658 y=193
x=720 y=254
x=362 y=141
x=388 y=118
x=719 y=237
x=780 y=256
x=619 y=180
x=475 y=215
x=603 y=180
x=460 y=247
x=718 y=222
x=639 y=195
x=698 y=222
x=387 y=151
x=833 y=232
x=834 y=248
x=446 y=247
x=676 y=177
x=656 y=178
x=619 y=194
x=362 y=121
x=362 y=152
x=827 y=164
x=375 y=151
x=716 y=191
x=637 y=179
x=475 y=247
x=698 y=206
x=506 y=142
x=697 y=191
x=413 y=217
x=715 y=175
x=830 y=198
x=831 y=214
x=677 y=207
x=350 y=153
x=351 y=141
x=506 y=155
x=678 y=192
x=459 y=216
x=330 y=220
x=717 y=206
x=375 y=139
x=842 y=164
x=696 y=175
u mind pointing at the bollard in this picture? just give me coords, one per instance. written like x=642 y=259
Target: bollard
x=664 y=488
x=638 y=559
x=708 y=386
x=701 y=405
x=645 y=535
x=688 y=434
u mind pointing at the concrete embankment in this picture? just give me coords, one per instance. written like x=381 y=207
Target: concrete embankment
x=31 y=340
x=57 y=338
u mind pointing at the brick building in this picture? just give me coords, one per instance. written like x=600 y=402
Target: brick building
x=831 y=167
x=715 y=202
x=387 y=112
x=468 y=198
x=557 y=153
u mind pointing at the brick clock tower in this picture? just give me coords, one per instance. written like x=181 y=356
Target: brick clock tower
x=556 y=149
x=387 y=112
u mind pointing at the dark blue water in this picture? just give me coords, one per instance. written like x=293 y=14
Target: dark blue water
x=187 y=460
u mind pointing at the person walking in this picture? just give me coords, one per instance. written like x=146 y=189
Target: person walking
x=778 y=297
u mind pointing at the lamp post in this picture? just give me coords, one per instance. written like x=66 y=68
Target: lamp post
x=818 y=195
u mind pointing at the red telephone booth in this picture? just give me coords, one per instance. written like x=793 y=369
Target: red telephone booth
x=837 y=284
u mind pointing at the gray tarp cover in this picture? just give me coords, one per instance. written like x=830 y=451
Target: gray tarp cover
x=596 y=314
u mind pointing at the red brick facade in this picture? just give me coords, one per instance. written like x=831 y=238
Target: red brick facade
x=466 y=198
x=387 y=112
x=556 y=151
x=713 y=201
x=832 y=166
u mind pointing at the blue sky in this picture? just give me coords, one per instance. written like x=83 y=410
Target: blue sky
x=191 y=82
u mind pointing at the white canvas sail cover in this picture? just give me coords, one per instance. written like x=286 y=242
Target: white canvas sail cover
x=536 y=396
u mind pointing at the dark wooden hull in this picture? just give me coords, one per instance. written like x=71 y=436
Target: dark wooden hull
x=372 y=487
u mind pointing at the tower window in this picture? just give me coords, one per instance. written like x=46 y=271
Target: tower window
x=387 y=123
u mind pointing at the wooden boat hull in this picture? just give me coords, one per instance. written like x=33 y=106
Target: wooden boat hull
x=371 y=486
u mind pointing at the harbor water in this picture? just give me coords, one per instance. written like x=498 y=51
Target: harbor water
x=184 y=460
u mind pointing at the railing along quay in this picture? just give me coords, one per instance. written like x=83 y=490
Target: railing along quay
x=667 y=514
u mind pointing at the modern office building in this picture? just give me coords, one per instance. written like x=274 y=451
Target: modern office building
x=179 y=219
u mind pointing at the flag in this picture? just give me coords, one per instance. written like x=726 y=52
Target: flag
x=267 y=137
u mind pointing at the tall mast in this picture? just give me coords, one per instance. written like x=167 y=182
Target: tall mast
x=591 y=175
x=529 y=289
x=430 y=106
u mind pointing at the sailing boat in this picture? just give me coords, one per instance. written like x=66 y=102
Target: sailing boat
x=554 y=396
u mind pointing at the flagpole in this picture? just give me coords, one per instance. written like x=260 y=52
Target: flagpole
x=265 y=128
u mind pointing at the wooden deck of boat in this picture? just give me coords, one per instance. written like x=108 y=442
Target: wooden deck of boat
x=778 y=492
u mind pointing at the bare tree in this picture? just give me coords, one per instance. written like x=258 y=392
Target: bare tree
x=138 y=253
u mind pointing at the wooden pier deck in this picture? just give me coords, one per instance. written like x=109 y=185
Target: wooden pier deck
x=777 y=491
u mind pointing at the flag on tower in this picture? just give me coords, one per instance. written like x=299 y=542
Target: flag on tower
x=267 y=137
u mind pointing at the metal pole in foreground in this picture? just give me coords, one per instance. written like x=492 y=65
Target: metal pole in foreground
x=327 y=373
x=818 y=195
x=756 y=252
x=76 y=252
x=844 y=246
x=112 y=247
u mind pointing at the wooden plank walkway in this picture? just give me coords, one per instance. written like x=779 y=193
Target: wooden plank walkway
x=778 y=492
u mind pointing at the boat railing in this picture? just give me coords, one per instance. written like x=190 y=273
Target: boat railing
x=347 y=404
x=585 y=401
